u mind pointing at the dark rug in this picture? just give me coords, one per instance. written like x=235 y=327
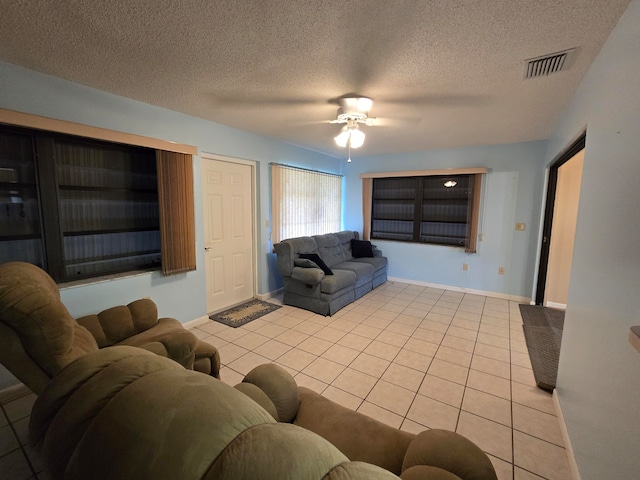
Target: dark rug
x=244 y=313
x=543 y=333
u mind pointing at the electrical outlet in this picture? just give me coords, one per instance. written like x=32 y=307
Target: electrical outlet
x=465 y=266
x=500 y=270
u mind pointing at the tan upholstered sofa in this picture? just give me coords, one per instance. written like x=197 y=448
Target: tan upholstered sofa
x=38 y=336
x=124 y=413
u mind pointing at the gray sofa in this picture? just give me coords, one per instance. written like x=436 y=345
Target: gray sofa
x=308 y=286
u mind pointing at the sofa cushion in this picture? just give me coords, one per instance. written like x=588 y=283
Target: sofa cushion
x=339 y=280
x=363 y=271
x=361 y=248
x=315 y=258
x=330 y=249
x=378 y=263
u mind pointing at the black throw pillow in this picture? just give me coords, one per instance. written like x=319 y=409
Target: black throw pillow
x=314 y=257
x=361 y=248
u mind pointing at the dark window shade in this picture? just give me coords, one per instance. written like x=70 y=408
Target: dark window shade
x=423 y=210
x=177 y=224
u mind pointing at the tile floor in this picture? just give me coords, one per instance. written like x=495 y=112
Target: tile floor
x=410 y=356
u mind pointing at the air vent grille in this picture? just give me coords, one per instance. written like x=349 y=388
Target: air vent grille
x=548 y=64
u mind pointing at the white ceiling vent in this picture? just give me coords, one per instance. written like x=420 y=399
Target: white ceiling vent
x=548 y=64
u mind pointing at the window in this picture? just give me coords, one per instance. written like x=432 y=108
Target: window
x=433 y=209
x=78 y=208
x=304 y=202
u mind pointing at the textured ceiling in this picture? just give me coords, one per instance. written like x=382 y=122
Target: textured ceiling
x=441 y=73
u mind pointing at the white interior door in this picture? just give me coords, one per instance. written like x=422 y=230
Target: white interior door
x=229 y=235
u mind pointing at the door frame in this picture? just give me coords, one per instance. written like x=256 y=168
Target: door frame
x=205 y=156
x=552 y=184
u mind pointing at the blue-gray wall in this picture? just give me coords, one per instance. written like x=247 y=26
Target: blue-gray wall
x=599 y=372
x=512 y=193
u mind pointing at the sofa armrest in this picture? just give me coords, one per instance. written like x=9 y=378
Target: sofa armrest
x=309 y=276
x=434 y=451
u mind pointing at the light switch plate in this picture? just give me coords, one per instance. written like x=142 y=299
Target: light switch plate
x=520 y=227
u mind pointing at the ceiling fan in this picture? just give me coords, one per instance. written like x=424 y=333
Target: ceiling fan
x=353 y=111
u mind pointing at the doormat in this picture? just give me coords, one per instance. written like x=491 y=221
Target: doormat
x=543 y=334
x=244 y=313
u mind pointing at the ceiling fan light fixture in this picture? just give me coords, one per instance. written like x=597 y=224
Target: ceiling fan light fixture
x=343 y=137
x=357 y=138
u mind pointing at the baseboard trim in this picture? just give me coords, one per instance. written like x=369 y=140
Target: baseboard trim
x=268 y=295
x=561 y=306
x=196 y=322
x=503 y=296
x=573 y=465
x=13 y=392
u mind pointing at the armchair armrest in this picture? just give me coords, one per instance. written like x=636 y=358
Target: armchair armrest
x=307 y=275
x=435 y=451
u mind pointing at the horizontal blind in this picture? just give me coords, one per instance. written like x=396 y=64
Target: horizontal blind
x=304 y=202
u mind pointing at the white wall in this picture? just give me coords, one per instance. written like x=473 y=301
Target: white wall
x=512 y=193
x=599 y=373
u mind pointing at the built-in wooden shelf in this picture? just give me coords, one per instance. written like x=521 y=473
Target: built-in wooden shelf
x=634 y=337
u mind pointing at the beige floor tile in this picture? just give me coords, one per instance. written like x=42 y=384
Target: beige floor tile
x=420 y=346
x=522 y=375
x=403 y=376
x=230 y=334
x=498 y=314
x=445 y=308
x=453 y=356
x=324 y=370
x=355 y=382
x=428 y=335
x=308 y=327
x=367 y=331
x=520 y=359
x=416 y=311
x=296 y=359
x=314 y=345
x=448 y=371
x=474 y=318
x=289 y=321
x=442 y=390
x=309 y=382
x=390 y=307
x=230 y=377
x=248 y=362
x=392 y=338
x=494 y=340
x=377 y=322
x=462 y=332
x=484 y=382
x=211 y=327
x=537 y=424
x=518 y=346
x=271 y=330
x=385 y=315
x=369 y=364
x=8 y=441
x=391 y=397
x=382 y=415
x=272 y=349
x=458 y=343
x=532 y=397
x=504 y=470
x=291 y=337
x=493 y=330
x=461 y=323
x=491 y=437
x=230 y=352
x=491 y=366
x=344 y=325
x=432 y=413
x=251 y=340
x=489 y=351
x=412 y=427
x=521 y=474
x=408 y=320
x=487 y=406
x=434 y=326
x=470 y=308
x=342 y=398
x=255 y=324
x=439 y=318
x=340 y=354
x=382 y=350
x=357 y=342
x=542 y=458
x=414 y=360
x=21 y=428
x=330 y=334
x=401 y=329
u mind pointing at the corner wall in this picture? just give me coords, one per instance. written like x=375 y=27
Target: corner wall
x=599 y=372
x=512 y=192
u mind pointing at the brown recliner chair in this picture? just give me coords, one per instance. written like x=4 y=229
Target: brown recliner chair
x=38 y=336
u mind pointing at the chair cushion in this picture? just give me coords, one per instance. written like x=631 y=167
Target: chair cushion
x=315 y=258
